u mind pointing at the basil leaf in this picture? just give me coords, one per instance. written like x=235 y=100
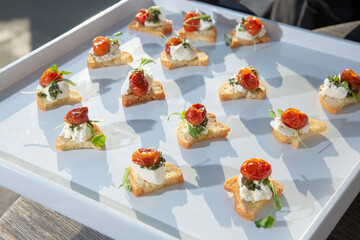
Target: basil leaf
x=99 y=140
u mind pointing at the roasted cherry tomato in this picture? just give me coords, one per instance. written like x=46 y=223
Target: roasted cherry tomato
x=248 y=79
x=195 y=114
x=142 y=15
x=255 y=169
x=145 y=157
x=352 y=78
x=253 y=25
x=138 y=83
x=48 y=76
x=172 y=42
x=77 y=116
x=191 y=25
x=101 y=45
x=293 y=118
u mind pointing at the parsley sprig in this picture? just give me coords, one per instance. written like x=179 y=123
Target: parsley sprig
x=99 y=140
x=334 y=79
x=124 y=181
x=196 y=131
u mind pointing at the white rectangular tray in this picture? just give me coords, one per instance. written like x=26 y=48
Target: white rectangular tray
x=319 y=185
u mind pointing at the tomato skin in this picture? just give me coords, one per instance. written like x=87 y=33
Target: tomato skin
x=248 y=79
x=293 y=118
x=352 y=78
x=172 y=42
x=138 y=83
x=253 y=25
x=101 y=45
x=145 y=157
x=191 y=25
x=256 y=169
x=195 y=114
x=142 y=15
x=49 y=76
x=77 y=116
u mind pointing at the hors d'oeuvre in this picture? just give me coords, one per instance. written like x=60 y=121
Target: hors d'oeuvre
x=80 y=132
x=149 y=172
x=293 y=126
x=254 y=188
x=248 y=32
x=151 y=21
x=198 y=26
x=106 y=52
x=139 y=86
x=340 y=91
x=245 y=84
x=54 y=90
x=198 y=125
x=182 y=52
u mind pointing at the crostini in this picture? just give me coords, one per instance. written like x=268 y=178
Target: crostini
x=198 y=125
x=293 y=126
x=254 y=188
x=149 y=172
x=182 y=52
x=151 y=21
x=139 y=86
x=106 y=52
x=54 y=90
x=245 y=84
x=80 y=132
x=249 y=31
x=340 y=91
x=198 y=26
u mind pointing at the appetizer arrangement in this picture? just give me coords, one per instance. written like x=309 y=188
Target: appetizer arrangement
x=244 y=84
x=340 y=91
x=198 y=26
x=149 y=172
x=80 y=132
x=151 y=21
x=139 y=86
x=293 y=126
x=54 y=90
x=181 y=52
x=254 y=188
x=106 y=52
x=198 y=125
x=249 y=31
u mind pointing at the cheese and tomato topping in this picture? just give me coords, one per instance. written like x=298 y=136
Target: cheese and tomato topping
x=247 y=79
x=78 y=127
x=104 y=49
x=250 y=28
x=197 y=21
x=180 y=49
x=138 y=82
x=291 y=122
x=151 y=17
x=197 y=120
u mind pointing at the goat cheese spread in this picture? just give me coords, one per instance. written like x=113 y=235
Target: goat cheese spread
x=80 y=133
x=333 y=91
x=247 y=36
x=264 y=193
x=126 y=89
x=114 y=52
x=64 y=91
x=184 y=51
x=279 y=126
x=152 y=176
x=148 y=23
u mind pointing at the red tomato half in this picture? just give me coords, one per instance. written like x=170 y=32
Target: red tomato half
x=142 y=15
x=195 y=114
x=48 y=76
x=145 y=157
x=101 y=45
x=256 y=169
x=352 y=78
x=293 y=118
x=138 y=83
x=191 y=25
x=77 y=116
x=253 y=25
x=172 y=42
x=248 y=79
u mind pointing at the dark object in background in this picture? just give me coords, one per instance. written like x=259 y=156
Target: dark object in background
x=354 y=35
x=230 y=4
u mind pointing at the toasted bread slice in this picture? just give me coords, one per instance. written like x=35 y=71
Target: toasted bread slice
x=227 y=92
x=208 y=35
x=44 y=104
x=139 y=186
x=237 y=42
x=64 y=144
x=334 y=105
x=245 y=209
x=159 y=31
x=156 y=93
x=316 y=127
x=215 y=130
x=201 y=59
x=122 y=59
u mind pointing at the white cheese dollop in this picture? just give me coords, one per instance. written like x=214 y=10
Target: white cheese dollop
x=279 y=126
x=204 y=25
x=81 y=133
x=333 y=91
x=181 y=53
x=147 y=23
x=63 y=87
x=126 y=89
x=247 y=36
x=264 y=193
x=156 y=176
x=114 y=52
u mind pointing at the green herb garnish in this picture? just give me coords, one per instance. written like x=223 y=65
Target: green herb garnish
x=54 y=89
x=158 y=164
x=202 y=16
x=233 y=81
x=154 y=13
x=242 y=25
x=99 y=140
x=41 y=94
x=118 y=34
x=334 y=79
x=227 y=40
x=89 y=124
x=73 y=126
x=124 y=181
x=249 y=184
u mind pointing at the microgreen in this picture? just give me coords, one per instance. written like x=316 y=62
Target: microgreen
x=124 y=181
x=99 y=140
x=60 y=125
x=182 y=114
x=145 y=61
x=336 y=81
x=204 y=17
x=242 y=25
x=118 y=34
x=227 y=40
